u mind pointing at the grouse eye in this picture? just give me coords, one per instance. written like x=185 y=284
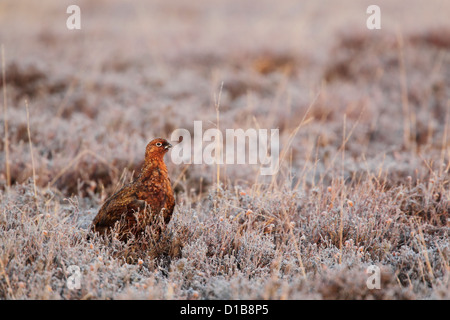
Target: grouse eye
x=158 y=144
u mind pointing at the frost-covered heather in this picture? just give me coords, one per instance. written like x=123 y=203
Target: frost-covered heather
x=272 y=244
x=364 y=181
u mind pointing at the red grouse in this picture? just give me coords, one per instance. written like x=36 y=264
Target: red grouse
x=148 y=201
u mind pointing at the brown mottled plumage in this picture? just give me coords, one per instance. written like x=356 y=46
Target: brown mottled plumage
x=146 y=202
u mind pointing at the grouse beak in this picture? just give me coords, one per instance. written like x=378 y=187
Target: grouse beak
x=168 y=146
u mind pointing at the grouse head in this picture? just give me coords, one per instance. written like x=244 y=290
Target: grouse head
x=157 y=148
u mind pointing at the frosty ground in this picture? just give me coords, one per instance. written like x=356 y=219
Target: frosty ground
x=363 y=118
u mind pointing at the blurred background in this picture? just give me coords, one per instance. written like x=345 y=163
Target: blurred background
x=141 y=69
